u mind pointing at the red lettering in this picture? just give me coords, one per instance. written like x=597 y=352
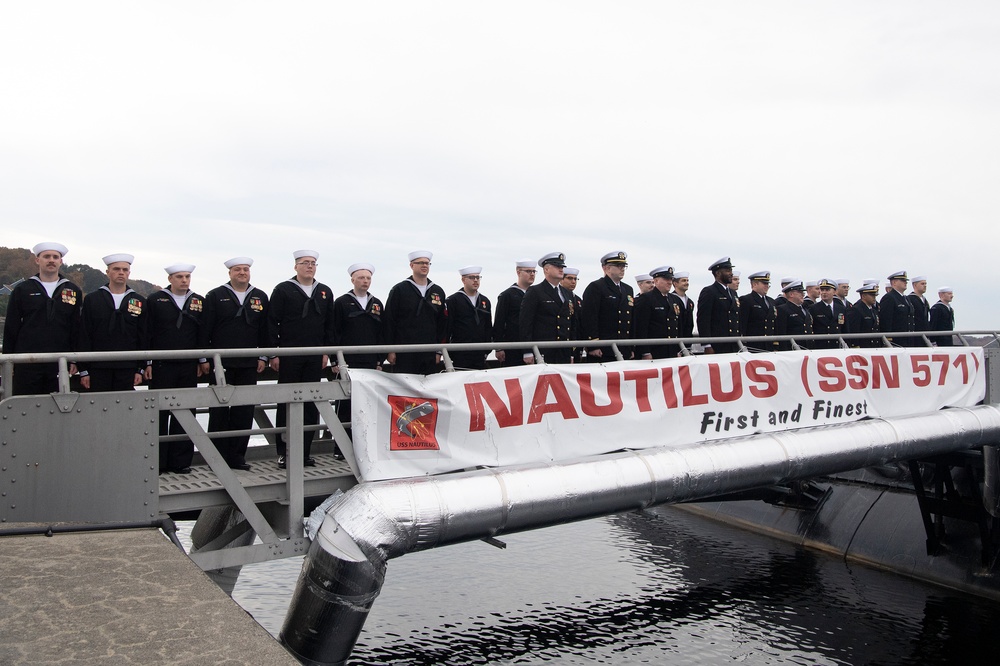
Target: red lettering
x=588 y=402
x=944 y=360
x=641 y=379
x=828 y=367
x=479 y=392
x=715 y=382
x=690 y=398
x=563 y=405
x=885 y=369
x=857 y=369
x=759 y=372
x=667 y=384
x=921 y=369
x=963 y=363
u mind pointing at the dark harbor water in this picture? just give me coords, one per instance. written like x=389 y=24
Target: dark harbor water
x=660 y=587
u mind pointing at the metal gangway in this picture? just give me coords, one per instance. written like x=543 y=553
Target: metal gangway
x=88 y=457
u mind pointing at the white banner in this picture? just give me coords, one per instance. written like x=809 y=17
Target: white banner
x=412 y=425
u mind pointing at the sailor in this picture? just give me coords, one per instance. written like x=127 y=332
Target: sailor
x=357 y=320
x=300 y=314
x=547 y=312
x=828 y=315
x=645 y=282
x=416 y=314
x=719 y=309
x=896 y=311
x=812 y=293
x=793 y=316
x=607 y=310
x=758 y=313
x=235 y=317
x=507 y=322
x=943 y=318
x=862 y=317
x=682 y=281
x=843 y=291
x=43 y=315
x=470 y=319
x=785 y=281
x=921 y=308
x=735 y=284
x=114 y=319
x=657 y=315
x=175 y=315
x=571 y=278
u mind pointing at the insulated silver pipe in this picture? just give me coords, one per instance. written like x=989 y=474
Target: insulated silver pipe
x=375 y=522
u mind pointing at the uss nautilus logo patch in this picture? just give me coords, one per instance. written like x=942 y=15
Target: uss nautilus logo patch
x=414 y=422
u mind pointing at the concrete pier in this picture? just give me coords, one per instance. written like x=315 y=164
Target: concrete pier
x=119 y=597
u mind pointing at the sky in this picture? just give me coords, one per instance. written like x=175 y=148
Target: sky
x=811 y=139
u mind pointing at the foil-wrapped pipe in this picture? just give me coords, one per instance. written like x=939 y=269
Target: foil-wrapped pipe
x=375 y=522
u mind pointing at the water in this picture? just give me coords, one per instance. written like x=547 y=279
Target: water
x=660 y=587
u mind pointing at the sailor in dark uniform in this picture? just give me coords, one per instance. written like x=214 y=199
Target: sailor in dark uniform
x=43 y=315
x=943 y=318
x=863 y=318
x=300 y=314
x=758 y=312
x=416 y=313
x=114 y=319
x=607 y=310
x=896 y=311
x=644 y=282
x=235 y=317
x=829 y=316
x=719 y=309
x=843 y=290
x=785 y=281
x=657 y=314
x=812 y=293
x=507 y=321
x=682 y=280
x=570 y=281
x=548 y=311
x=921 y=308
x=470 y=319
x=793 y=316
x=174 y=323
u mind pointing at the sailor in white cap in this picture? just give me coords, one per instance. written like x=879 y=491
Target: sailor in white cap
x=235 y=318
x=114 y=319
x=682 y=282
x=43 y=315
x=735 y=284
x=943 y=317
x=780 y=298
x=607 y=313
x=645 y=282
x=470 y=320
x=921 y=307
x=812 y=293
x=416 y=313
x=548 y=312
x=506 y=322
x=300 y=314
x=175 y=316
x=843 y=291
x=896 y=311
x=758 y=312
x=357 y=318
x=719 y=309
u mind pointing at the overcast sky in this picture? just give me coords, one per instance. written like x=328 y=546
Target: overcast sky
x=814 y=139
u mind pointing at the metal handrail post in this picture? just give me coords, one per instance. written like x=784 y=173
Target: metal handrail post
x=63 y=375
x=294 y=468
x=220 y=372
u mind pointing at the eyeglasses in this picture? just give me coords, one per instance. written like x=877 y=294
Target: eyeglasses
x=530 y=271
x=305 y=263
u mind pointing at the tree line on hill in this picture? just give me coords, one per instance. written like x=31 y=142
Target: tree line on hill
x=18 y=262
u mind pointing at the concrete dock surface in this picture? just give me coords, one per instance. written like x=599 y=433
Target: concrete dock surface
x=126 y=596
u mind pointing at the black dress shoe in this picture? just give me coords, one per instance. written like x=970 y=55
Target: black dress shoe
x=182 y=470
x=243 y=466
x=281 y=462
x=337 y=455
x=309 y=462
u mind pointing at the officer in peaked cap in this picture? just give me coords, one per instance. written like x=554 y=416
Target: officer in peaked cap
x=507 y=319
x=758 y=312
x=793 y=316
x=43 y=315
x=943 y=317
x=862 y=317
x=416 y=313
x=607 y=309
x=896 y=311
x=829 y=315
x=235 y=317
x=719 y=309
x=548 y=312
x=657 y=315
x=114 y=319
x=682 y=280
x=470 y=319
